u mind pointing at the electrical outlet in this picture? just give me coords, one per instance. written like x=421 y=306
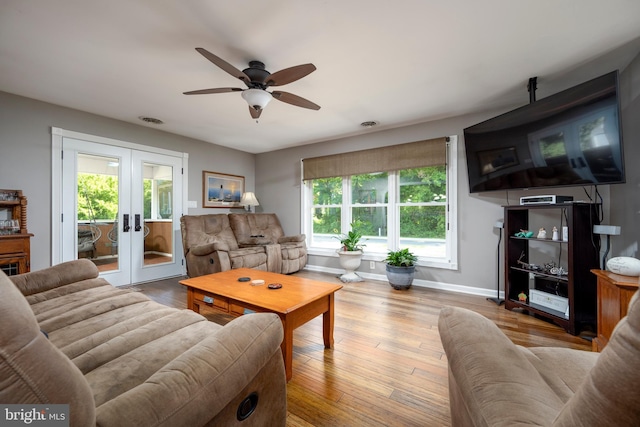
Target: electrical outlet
x=372 y=265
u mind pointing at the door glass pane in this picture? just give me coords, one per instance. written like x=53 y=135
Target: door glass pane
x=97 y=210
x=157 y=221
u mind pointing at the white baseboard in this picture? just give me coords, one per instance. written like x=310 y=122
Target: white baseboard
x=416 y=282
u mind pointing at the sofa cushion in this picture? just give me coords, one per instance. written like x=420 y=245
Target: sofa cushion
x=563 y=369
x=199 y=230
x=609 y=394
x=32 y=369
x=263 y=226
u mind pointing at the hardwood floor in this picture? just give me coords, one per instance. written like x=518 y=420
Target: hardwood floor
x=387 y=367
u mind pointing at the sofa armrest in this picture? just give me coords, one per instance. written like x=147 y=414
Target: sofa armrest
x=53 y=277
x=209 y=248
x=491 y=380
x=193 y=388
x=288 y=239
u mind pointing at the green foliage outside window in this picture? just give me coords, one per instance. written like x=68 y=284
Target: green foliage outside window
x=423 y=185
x=419 y=185
x=98 y=197
x=327 y=191
x=423 y=222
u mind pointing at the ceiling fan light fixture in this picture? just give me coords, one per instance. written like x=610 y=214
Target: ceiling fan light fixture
x=256 y=98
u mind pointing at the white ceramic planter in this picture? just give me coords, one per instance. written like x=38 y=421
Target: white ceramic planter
x=350 y=261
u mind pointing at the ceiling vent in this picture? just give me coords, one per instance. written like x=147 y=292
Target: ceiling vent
x=151 y=120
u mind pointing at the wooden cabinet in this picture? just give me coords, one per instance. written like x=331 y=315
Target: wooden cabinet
x=614 y=293
x=15 y=243
x=568 y=297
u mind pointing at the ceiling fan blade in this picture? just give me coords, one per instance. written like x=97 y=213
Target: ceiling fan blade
x=216 y=90
x=254 y=113
x=296 y=100
x=224 y=65
x=289 y=75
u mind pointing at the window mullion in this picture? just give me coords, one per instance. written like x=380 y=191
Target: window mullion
x=346 y=205
x=393 y=213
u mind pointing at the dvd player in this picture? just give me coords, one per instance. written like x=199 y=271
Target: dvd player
x=545 y=200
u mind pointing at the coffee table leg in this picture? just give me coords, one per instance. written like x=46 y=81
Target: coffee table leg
x=327 y=324
x=191 y=301
x=287 y=348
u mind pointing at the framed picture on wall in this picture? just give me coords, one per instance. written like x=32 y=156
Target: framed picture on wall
x=220 y=190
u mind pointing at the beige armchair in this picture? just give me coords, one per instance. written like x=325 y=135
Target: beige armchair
x=493 y=382
x=210 y=246
x=265 y=229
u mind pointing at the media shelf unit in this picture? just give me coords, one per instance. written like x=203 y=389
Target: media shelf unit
x=581 y=252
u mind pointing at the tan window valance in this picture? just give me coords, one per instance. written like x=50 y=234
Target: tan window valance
x=431 y=152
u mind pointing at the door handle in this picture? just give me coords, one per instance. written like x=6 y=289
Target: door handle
x=125 y=223
x=137 y=227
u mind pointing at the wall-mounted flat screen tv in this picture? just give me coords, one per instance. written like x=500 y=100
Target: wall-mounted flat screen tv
x=572 y=138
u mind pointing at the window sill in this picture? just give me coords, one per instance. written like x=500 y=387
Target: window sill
x=379 y=257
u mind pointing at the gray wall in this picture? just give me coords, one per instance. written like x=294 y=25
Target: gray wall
x=25 y=158
x=278 y=187
x=625 y=199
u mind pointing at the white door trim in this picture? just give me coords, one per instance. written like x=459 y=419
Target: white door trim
x=57 y=135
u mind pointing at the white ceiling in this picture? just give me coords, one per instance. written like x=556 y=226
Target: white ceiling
x=394 y=62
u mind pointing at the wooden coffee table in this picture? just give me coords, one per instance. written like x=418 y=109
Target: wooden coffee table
x=298 y=301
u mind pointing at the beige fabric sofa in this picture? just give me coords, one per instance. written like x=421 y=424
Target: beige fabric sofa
x=119 y=359
x=493 y=382
x=211 y=244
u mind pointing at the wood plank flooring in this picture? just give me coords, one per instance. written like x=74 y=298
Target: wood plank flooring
x=387 y=367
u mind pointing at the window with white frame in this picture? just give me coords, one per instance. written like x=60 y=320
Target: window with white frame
x=407 y=208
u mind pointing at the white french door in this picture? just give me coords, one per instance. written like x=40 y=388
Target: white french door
x=120 y=207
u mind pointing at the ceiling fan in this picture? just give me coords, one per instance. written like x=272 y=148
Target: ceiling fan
x=258 y=80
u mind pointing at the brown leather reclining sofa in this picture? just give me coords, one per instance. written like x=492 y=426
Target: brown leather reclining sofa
x=220 y=242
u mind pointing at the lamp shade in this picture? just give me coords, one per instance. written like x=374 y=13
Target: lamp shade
x=256 y=98
x=249 y=199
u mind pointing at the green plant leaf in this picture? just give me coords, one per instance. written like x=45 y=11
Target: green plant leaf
x=401 y=258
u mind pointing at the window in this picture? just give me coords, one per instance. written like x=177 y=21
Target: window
x=408 y=208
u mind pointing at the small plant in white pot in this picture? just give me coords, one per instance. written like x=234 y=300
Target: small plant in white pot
x=400 y=268
x=350 y=254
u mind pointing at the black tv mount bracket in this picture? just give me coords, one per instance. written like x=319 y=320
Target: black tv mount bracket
x=531 y=87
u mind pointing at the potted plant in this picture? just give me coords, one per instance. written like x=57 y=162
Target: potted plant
x=350 y=254
x=400 y=268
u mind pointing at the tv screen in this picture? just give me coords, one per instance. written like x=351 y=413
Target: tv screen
x=572 y=138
